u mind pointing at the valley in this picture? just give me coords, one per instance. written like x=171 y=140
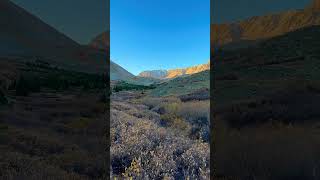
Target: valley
x=160 y=129
x=160 y=126
x=156 y=137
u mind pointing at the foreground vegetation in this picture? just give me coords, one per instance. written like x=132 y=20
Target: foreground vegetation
x=52 y=124
x=159 y=137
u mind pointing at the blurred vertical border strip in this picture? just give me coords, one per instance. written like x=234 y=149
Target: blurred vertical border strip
x=107 y=92
x=212 y=86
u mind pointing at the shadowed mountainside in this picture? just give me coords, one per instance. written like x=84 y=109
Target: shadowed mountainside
x=23 y=34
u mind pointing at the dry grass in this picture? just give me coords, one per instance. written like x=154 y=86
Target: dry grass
x=152 y=102
x=142 y=148
x=52 y=136
x=15 y=165
x=267 y=152
x=191 y=116
x=195 y=110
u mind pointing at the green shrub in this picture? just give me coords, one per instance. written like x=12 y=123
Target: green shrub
x=124 y=86
x=46 y=76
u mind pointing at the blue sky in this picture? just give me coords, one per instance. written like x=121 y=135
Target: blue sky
x=159 y=34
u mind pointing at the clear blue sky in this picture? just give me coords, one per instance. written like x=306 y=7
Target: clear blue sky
x=159 y=34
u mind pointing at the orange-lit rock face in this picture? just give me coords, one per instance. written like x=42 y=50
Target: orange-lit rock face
x=262 y=27
x=172 y=73
x=315 y=5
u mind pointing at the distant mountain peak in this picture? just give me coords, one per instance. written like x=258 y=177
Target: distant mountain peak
x=159 y=74
x=172 y=73
x=102 y=41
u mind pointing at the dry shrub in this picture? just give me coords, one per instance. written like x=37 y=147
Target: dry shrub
x=172 y=108
x=284 y=106
x=152 y=102
x=191 y=116
x=141 y=145
x=15 y=165
x=81 y=123
x=35 y=144
x=173 y=105
x=134 y=169
x=197 y=114
x=175 y=122
x=267 y=152
x=195 y=111
x=200 y=95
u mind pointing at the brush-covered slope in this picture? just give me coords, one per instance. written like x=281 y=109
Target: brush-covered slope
x=244 y=32
x=271 y=65
x=23 y=34
x=183 y=85
x=172 y=73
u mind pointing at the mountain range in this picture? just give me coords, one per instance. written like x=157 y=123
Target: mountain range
x=173 y=73
x=40 y=39
x=119 y=73
x=248 y=32
x=254 y=29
